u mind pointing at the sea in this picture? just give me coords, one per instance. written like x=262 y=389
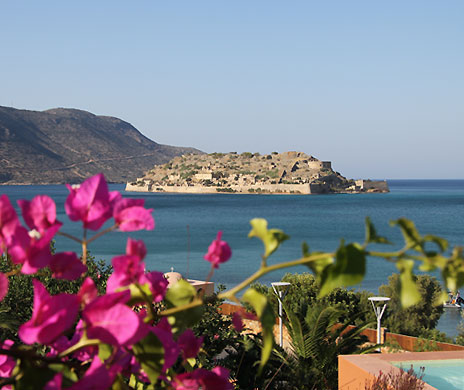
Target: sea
x=187 y=223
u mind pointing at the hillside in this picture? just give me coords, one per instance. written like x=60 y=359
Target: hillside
x=290 y=172
x=67 y=145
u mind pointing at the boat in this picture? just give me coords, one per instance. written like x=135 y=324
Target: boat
x=455 y=301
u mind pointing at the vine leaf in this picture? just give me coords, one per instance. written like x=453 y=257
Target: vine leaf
x=265 y=314
x=347 y=270
x=149 y=352
x=372 y=236
x=409 y=295
x=411 y=236
x=453 y=272
x=271 y=238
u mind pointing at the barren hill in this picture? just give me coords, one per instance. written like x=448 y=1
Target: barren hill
x=67 y=145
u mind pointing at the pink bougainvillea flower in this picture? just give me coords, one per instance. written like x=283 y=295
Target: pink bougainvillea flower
x=29 y=249
x=171 y=350
x=218 y=251
x=95 y=378
x=55 y=383
x=9 y=221
x=88 y=292
x=91 y=202
x=111 y=321
x=189 y=344
x=51 y=316
x=238 y=316
x=128 y=268
x=136 y=248
x=158 y=285
x=3 y=286
x=7 y=363
x=66 y=265
x=131 y=215
x=39 y=213
x=217 y=378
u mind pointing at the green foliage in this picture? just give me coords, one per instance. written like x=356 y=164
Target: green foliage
x=16 y=307
x=418 y=319
x=266 y=316
x=303 y=292
x=317 y=338
x=271 y=238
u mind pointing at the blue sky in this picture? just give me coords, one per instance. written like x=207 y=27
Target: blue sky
x=376 y=87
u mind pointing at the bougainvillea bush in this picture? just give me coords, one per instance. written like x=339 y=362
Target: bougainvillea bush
x=137 y=332
x=122 y=338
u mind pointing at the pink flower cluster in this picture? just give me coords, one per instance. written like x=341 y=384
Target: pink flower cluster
x=109 y=319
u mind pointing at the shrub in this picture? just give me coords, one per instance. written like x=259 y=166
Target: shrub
x=401 y=380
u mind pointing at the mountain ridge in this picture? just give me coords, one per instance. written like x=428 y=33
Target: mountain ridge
x=66 y=145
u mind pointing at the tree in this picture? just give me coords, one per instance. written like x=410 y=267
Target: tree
x=419 y=319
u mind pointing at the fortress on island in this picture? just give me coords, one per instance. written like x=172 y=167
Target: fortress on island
x=250 y=173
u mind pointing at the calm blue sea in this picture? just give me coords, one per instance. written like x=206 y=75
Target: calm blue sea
x=186 y=224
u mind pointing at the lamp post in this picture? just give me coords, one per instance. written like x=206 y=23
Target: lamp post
x=379 y=304
x=280 y=289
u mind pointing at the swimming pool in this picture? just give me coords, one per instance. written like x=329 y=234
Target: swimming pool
x=445 y=374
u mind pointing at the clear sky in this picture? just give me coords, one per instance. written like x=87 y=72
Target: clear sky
x=375 y=86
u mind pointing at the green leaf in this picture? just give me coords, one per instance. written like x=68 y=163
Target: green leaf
x=349 y=269
x=140 y=293
x=180 y=293
x=440 y=242
x=318 y=266
x=149 y=352
x=33 y=377
x=409 y=295
x=104 y=351
x=372 y=236
x=271 y=238
x=265 y=314
x=411 y=236
x=305 y=249
x=453 y=272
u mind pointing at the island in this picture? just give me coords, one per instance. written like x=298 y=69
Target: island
x=250 y=173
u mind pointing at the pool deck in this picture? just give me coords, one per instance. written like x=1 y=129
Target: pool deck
x=355 y=370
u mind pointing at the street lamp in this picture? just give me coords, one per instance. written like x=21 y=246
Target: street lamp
x=280 y=289
x=379 y=304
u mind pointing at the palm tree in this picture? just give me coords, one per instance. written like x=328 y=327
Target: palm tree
x=316 y=341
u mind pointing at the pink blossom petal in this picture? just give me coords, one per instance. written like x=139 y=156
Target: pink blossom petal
x=217 y=378
x=130 y=215
x=51 y=316
x=91 y=203
x=158 y=285
x=3 y=286
x=171 y=349
x=110 y=320
x=218 y=251
x=40 y=213
x=9 y=221
x=55 y=383
x=88 y=292
x=237 y=322
x=7 y=363
x=189 y=344
x=97 y=377
x=136 y=248
x=66 y=265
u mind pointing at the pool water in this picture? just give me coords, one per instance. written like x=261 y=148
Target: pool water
x=442 y=374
